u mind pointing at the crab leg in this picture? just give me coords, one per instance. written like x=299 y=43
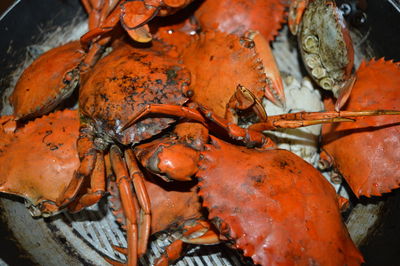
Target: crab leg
x=88 y=156
x=135 y=25
x=243 y=99
x=97 y=187
x=136 y=177
x=124 y=186
x=194 y=232
x=303 y=119
x=250 y=137
x=88 y=182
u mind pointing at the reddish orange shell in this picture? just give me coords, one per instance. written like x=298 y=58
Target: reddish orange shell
x=278 y=208
x=177 y=35
x=214 y=85
x=366 y=152
x=123 y=83
x=171 y=205
x=38 y=162
x=238 y=16
x=47 y=81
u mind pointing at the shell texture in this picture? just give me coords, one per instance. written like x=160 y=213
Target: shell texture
x=239 y=16
x=213 y=86
x=38 y=162
x=124 y=83
x=365 y=152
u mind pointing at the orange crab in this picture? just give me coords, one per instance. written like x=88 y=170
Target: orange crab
x=29 y=174
x=366 y=152
x=48 y=81
x=262 y=18
x=226 y=90
x=279 y=226
x=325 y=45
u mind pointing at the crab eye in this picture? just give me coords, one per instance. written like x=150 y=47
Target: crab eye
x=190 y=93
x=360 y=18
x=345 y=8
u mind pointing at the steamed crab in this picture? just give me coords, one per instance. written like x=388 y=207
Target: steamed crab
x=371 y=142
x=59 y=68
x=247 y=18
x=325 y=45
x=122 y=89
x=102 y=126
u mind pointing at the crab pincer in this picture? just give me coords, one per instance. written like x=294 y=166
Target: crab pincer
x=133 y=16
x=240 y=85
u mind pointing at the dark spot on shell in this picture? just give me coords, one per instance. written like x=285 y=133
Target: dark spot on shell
x=190 y=93
x=171 y=76
x=104 y=97
x=258 y=178
x=283 y=164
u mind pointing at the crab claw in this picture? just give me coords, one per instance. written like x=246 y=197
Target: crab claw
x=134 y=16
x=274 y=91
x=344 y=93
x=296 y=10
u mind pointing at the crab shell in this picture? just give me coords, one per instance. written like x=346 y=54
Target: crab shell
x=38 y=161
x=276 y=207
x=366 y=152
x=123 y=83
x=47 y=81
x=176 y=35
x=171 y=204
x=239 y=16
x=214 y=85
x=326 y=46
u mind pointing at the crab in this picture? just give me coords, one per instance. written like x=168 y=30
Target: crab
x=54 y=75
x=216 y=87
x=241 y=17
x=272 y=219
x=123 y=88
x=325 y=45
x=365 y=153
x=59 y=69
x=29 y=174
